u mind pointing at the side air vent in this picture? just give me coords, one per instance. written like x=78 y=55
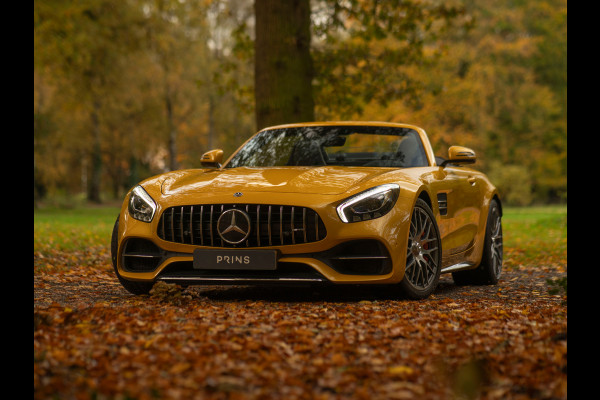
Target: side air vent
x=443 y=203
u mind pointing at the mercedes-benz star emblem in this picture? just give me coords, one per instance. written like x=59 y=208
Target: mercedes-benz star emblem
x=233 y=226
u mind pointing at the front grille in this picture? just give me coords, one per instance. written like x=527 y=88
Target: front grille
x=270 y=225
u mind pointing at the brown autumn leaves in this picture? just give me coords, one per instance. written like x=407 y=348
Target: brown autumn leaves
x=94 y=340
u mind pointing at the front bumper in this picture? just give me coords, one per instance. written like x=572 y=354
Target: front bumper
x=356 y=253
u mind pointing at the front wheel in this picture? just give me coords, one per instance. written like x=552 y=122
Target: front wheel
x=423 y=254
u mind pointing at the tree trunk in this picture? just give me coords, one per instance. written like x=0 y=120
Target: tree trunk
x=283 y=66
x=95 y=177
x=173 y=165
x=211 y=122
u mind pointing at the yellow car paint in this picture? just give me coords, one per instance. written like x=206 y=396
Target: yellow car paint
x=461 y=222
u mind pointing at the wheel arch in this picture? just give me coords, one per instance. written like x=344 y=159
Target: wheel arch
x=497 y=198
x=424 y=195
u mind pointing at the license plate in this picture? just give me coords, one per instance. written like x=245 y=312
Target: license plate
x=235 y=259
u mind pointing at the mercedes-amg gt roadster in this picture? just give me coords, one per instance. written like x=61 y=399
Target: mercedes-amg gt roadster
x=329 y=203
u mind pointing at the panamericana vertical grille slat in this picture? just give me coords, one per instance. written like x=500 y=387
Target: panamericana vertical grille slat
x=270 y=225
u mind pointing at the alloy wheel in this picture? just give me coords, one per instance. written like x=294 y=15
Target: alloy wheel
x=422 y=250
x=496 y=246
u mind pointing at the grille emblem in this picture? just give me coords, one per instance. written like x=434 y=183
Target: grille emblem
x=237 y=194
x=234 y=226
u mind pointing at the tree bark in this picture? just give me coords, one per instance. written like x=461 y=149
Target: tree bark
x=95 y=177
x=173 y=164
x=211 y=122
x=283 y=68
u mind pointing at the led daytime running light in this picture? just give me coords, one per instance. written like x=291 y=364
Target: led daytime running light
x=341 y=209
x=141 y=205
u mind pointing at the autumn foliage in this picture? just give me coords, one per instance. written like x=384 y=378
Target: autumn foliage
x=124 y=90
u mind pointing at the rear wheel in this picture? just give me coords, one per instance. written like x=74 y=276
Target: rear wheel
x=490 y=268
x=423 y=254
x=130 y=286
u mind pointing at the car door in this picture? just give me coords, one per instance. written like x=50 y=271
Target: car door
x=459 y=201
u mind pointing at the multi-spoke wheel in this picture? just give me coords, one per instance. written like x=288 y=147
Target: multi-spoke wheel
x=490 y=268
x=495 y=244
x=423 y=254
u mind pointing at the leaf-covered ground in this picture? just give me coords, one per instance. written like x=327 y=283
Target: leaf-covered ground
x=93 y=340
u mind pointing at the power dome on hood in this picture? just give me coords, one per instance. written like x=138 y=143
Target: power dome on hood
x=314 y=180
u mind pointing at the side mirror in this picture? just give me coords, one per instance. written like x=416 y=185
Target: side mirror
x=212 y=159
x=459 y=155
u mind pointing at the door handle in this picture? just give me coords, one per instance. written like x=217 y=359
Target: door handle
x=472 y=181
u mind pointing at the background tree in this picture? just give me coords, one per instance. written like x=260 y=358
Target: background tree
x=364 y=50
x=283 y=68
x=130 y=88
x=176 y=41
x=84 y=45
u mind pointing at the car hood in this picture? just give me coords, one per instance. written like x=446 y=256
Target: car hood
x=314 y=180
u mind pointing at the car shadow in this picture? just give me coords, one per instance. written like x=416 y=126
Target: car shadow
x=324 y=293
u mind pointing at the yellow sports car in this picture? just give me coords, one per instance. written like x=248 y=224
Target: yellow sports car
x=334 y=202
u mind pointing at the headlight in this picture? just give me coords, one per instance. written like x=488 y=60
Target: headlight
x=141 y=205
x=370 y=204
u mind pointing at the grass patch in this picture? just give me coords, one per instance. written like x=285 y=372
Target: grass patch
x=72 y=229
x=535 y=235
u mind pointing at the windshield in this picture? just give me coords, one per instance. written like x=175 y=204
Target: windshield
x=365 y=146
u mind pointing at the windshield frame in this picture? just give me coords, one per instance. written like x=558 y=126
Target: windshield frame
x=320 y=134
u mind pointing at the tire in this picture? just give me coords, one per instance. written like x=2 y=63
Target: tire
x=423 y=254
x=489 y=270
x=136 y=288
